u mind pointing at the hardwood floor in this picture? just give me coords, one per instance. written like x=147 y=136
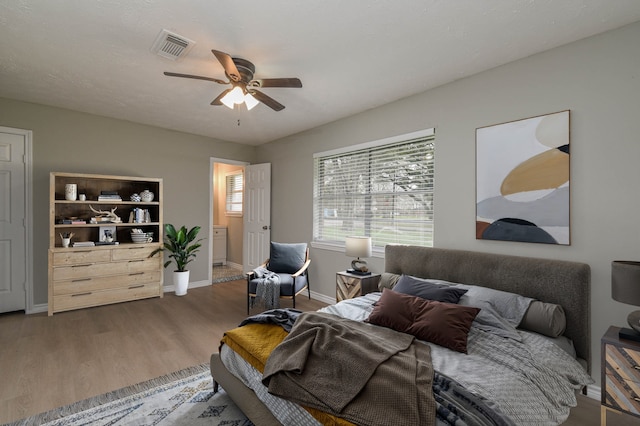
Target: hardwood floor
x=46 y=362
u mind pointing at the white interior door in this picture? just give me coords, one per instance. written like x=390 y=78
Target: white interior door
x=257 y=215
x=13 y=232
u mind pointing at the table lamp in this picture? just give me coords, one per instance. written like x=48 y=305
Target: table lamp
x=625 y=288
x=358 y=247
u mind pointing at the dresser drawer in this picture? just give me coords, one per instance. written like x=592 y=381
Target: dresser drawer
x=94 y=298
x=90 y=270
x=622 y=394
x=135 y=252
x=624 y=362
x=87 y=284
x=63 y=258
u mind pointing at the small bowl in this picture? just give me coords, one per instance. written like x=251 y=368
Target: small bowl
x=141 y=238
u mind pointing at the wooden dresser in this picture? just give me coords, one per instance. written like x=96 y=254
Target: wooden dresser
x=620 y=377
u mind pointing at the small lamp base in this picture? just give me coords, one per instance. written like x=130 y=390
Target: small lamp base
x=356 y=272
x=629 y=334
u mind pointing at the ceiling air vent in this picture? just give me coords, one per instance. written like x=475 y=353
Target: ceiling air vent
x=172 y=46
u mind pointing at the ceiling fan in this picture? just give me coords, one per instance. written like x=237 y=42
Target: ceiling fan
x=244 y=87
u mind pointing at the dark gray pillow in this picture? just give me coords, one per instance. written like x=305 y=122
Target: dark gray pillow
x=428 y=290
x=544 y=318
x=287 y=258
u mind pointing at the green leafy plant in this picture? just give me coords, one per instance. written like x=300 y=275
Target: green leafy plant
x=182 y=245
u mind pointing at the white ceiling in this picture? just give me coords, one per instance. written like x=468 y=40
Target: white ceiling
x=95 y=55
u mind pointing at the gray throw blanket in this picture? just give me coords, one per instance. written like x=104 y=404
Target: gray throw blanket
x=267 y=289
x=339 y=366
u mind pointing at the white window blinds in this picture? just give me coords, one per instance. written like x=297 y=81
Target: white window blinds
x=234 y=190
x=381 y=191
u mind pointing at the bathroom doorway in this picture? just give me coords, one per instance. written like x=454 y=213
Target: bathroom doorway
x=226 y=220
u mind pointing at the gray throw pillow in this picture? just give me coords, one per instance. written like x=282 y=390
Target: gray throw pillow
x=427 y=289
x=287 y=258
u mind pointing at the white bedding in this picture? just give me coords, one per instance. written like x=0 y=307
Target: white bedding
x=533 y=381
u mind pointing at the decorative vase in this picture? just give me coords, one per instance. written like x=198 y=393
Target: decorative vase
x=146 y=196
x=181 y=282
x=135 y=198
x=71 y=191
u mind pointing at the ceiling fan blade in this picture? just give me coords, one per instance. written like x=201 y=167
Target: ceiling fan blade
x=267 y=100
x=217 y=101
x=198 y=77
x=278 y=82
x=228 y=65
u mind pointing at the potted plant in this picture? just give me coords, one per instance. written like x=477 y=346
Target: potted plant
x=182 y=246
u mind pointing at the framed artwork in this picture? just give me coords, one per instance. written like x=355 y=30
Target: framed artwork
x=522 y=180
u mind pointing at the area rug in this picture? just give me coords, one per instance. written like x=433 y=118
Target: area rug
x=225 y=273
x=182 y=398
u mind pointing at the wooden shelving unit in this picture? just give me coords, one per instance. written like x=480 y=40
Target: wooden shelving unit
x=80 y=277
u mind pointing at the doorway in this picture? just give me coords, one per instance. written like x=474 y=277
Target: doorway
x=226 y=220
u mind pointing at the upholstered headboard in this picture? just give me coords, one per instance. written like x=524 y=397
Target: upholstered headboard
x=561 y=282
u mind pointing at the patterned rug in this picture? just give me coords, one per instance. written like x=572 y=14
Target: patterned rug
x=182 y=398
x=223 y=273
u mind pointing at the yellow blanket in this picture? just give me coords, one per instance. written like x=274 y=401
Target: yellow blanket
x=254 y=343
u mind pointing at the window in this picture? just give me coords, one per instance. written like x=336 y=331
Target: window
x=235 y=186
x=382 y=189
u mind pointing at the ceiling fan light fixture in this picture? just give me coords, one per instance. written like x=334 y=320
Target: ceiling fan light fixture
x=250 y=101
x=235 y=96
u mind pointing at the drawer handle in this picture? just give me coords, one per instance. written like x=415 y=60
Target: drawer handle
x=136 y=286
x=80 y=280
x=636 y=399
x=637 y=367
x=82 y=266
x=83 y=251
x=138 y=260
x=81 y=294
x=135 y=248
x=136 y=273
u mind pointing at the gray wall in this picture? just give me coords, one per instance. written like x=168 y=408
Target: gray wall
x=68 y=141
x=598 y=79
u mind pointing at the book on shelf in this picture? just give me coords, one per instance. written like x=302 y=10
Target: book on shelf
x=73 y=222
x=84 y=244
x=109 y=198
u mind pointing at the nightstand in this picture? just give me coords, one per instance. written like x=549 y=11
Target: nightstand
x=620 y=377
x=349 y=285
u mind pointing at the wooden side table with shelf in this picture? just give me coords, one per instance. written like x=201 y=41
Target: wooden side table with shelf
x=620 y=376
x=350 y=285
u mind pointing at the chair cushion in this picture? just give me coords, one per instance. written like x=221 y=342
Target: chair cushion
x=287 y=258
x=286 y=284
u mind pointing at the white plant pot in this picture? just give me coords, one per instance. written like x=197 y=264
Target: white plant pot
x=181 y=282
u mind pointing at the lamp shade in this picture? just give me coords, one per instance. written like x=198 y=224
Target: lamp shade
x=625 y=282
x=358 y=246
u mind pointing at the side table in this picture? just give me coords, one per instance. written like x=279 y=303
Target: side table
x=620 y=377
x=350 y=285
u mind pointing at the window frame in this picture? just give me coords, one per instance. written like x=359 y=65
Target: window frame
x=378 y=251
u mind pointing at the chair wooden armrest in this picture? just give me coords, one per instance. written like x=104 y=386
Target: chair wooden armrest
x=302 y=269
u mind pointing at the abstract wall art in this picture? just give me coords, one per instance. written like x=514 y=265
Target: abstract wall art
x=522 y=180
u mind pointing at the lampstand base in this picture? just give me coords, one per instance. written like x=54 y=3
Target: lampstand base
x=629 y=334
x=356 y=272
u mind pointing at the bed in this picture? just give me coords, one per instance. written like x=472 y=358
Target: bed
x=550 y=283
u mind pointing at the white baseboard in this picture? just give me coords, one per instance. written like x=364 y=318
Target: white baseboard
x=36 y=309
x=594 y=392
x=323 y=298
